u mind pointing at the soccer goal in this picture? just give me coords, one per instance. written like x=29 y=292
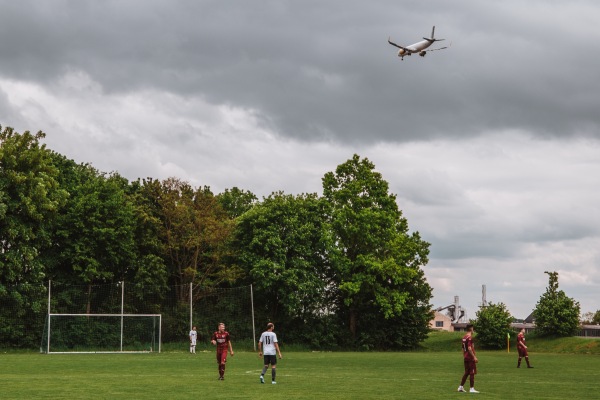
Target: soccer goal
x=102 y=333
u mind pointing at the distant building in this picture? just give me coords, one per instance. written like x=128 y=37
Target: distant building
x=592 y=331
x=460 y=326
x=517 y=326
x=441 y=322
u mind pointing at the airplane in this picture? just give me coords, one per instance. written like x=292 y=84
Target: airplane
x=418 y=47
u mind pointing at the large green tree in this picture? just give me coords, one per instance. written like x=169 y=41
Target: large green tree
x=283 y=245
x=555 y=313
x=377 y=263
x=30 y=197
x=492 y=325
x=94 y=235
x=195 y=235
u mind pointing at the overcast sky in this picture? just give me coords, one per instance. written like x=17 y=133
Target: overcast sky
x=492 y=146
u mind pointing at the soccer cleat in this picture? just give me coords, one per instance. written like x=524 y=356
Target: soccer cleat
x=262 y=379
x=461 y=389
x=221 y=378
x=473 y=390
x=529 y=366
x=274 y=383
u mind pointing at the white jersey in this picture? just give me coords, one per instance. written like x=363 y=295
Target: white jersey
x=193 y=336
x=268 y=339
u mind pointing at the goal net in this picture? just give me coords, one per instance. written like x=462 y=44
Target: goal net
x=102 y=333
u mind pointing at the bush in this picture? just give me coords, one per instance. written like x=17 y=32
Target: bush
x=492 y=326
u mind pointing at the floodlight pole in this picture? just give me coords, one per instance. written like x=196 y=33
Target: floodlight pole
x=191 y=307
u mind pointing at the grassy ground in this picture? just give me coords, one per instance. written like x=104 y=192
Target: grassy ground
x=302 y=375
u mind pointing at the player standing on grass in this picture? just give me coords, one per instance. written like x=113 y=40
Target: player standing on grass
x=222 y=341
x=193 y=337
x=470 y=360
x=522 y=348
x=268 y=343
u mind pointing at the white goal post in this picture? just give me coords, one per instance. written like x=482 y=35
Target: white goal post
x=102 y=333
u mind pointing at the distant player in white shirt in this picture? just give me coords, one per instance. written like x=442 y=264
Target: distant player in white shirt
x=268 y=342
x=193 y=337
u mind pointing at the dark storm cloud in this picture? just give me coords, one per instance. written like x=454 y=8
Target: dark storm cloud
x=323 y=70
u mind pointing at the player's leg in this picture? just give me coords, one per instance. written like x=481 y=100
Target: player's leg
x=273 y=362
x=520 y=357
x=264 y=370
x=464 y=377
x=221 y=371
x=473 y=371
x=222 y=363
x=527 y=359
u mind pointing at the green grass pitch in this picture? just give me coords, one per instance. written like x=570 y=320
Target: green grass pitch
x=301 y=375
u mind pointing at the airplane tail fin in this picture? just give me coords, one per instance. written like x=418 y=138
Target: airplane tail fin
x=432 y=38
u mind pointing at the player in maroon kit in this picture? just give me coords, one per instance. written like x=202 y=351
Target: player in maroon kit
x=470 y=360
x=222 y=341
x=522 y=348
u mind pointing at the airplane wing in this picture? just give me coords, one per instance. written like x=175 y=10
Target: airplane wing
x=396 y=45
x=440 y=48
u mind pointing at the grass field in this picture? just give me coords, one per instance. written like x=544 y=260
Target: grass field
x=302 y=375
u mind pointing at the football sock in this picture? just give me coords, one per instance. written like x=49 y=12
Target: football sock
x=273 y=373
x=264 y=370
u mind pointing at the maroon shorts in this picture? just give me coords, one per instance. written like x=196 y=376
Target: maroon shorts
x=470 y=367
x=221 y=356
x=522 y=352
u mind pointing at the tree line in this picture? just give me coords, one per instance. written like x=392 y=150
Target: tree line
x=337 y=270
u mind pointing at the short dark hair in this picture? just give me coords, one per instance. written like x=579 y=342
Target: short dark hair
x=270 y=325
x=469 y=326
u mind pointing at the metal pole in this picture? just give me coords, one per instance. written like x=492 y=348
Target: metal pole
x=122 y=302
x=49 y=299
x=191 y=307
x=253 y=328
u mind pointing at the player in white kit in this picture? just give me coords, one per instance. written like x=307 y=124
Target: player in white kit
x=268 y=345
x=193 y=337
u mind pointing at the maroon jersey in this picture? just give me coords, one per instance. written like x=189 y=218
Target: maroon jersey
x=520 y=340
x=467 y=341
x=222 y=340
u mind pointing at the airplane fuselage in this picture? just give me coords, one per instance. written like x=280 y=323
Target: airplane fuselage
x=414 y=48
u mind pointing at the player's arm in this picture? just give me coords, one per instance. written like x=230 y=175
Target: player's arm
x=230 y=348
x=278 y=351
x=472 y=353
x=214 y=340
x=259 y=348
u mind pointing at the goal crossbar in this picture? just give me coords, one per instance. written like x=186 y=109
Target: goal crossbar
x=118 y=315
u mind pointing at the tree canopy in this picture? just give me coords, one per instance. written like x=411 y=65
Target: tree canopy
x=337 y=270
x=555 y=313
x=492 y=325
x=376 y=262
